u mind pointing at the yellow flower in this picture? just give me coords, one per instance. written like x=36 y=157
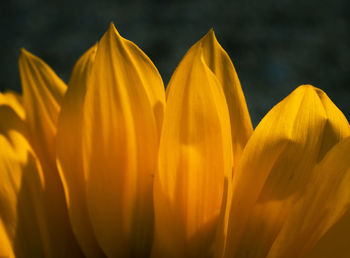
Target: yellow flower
x=113 y=165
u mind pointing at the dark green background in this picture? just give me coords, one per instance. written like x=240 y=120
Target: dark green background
x=275 y=45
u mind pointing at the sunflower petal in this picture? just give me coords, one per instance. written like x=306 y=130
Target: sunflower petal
x=5 y=247
x=221 y=65
x=324 y=202
x=122 y=118
x=13 y=101
x=70 y=157
x=277 y=166
x=43 y=91
x=195 y=158
x=335 y=242
x=21 y=219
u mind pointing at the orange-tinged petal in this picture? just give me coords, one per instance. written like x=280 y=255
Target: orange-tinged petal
x=195 y=158
x=276 y=167
x=22 y=225
x=122 y=118
x=70 y=157
x=324 y=202
x=43 y=91
x=221 y=65
x=14 y=101
x=21 y=197
x=42 y=94
x=335 y=242
x=5 y=247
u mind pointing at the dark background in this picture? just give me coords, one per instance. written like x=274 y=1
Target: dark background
x=275 y=45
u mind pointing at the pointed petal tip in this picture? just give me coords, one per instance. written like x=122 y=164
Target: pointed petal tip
x=210 y=35
x=24 y=53
x=209 y=40
x=111 y=26
x=112 y=29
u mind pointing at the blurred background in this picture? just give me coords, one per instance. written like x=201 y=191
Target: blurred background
x=275 y=45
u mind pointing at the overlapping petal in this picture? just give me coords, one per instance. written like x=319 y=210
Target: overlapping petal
x=70 y=154
x=335 y=242
x=22 y=224
x=275 y=171
x=43 y=91
x=221 y=65
x=325 y=200
x=198 y=184
x=123 y=112
x=195 y=159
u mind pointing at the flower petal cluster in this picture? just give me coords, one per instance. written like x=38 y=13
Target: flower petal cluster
x=112 y=165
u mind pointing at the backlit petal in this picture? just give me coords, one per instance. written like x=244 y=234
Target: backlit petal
x=324 y=202
x=43 y=91
x=69 y=154
x=14 y=101
x=123 y=112
x=5 y=247
x=42 y=94
x=277 y=166
x=220 y=64
x=335 y=243
x=22 y=224
x=195 y=158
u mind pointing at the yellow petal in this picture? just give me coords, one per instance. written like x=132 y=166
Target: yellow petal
x=277 y=166
x=122 y=116
x=13 y=101
x=43 y=91
x=335 y=243
x=5 y=247
x=42 y=94
x=220 y=64
x=21 y=198
x=324 y=202
x=69 y=154
x=195 y=158
x=22 y=225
